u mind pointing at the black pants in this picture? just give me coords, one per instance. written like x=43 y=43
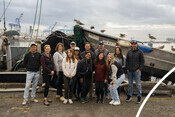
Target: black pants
x=99 y=87
x=69 y=87
x=60 y=84
x=47 y=79
x=77 y=87
x=85 y=85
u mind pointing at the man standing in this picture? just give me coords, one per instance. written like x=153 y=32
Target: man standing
x=72 y=45
x=84 y=72
x=102 y=49
x=87 y=50
x=134 y=64
x=32 y=64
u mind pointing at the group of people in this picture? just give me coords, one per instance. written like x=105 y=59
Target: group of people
x=75 y=70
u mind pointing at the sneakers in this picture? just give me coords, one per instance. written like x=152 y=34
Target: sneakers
x=128 y=98
x=62 y=98
x=70 y=101
x=46 y=103
x=82 y=100
x=86 y=100
x=50 y=101
x=65 y=101
x=116 y=103
x=34 y=100
x=138 y=100
x=24 y=103
x=111 y=102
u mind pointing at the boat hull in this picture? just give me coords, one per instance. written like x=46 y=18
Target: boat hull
x=157 y=62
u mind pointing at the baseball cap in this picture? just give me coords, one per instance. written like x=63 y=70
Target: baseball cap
x=76 y=49
x=101 y=43
x=72 y=43
x=33 y=44
x=133 y=42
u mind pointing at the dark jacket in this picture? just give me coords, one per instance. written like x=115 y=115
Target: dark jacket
x=119 y=71
x=101 y=71
x=92 y=55
x=84 y=69
x=47 y=63
x=134 y=60
x=32 y=61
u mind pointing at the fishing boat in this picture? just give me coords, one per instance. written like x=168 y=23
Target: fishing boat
x=157 y=62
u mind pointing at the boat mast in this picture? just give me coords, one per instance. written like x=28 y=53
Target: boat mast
x=4 y=18
x=7 y=44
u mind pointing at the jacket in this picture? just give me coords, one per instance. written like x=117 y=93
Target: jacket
x=58 y=58
x=92 y=55
x=105 y=51
x=84 y=68
x=47 y=63
x=32 y=61
x=135 y=60
x=101 y=71
x=119 y=71
x=69 y=68
x=121 y=61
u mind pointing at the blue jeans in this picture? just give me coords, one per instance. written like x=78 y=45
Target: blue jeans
x=113 y=88
x=134 y=76
x=106 y=88
x=31 y=77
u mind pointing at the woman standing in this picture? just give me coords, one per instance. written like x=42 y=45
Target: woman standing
x=116 y=76
x=120 y=58
x=101 y=75
x=77 y=87
x=69 y=66
x=58 y=57
x=48 y=71
x=77 y=53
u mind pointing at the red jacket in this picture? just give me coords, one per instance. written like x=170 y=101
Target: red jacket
x=101 y=71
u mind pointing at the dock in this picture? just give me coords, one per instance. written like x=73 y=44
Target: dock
x=10 y=106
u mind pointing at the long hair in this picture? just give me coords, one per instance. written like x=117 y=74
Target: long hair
x=120 y=56
x=97 y=59
x=56 y=48
x=109 y=63
x=68 y=59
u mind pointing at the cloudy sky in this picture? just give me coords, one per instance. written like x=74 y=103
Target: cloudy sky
x=135 y=18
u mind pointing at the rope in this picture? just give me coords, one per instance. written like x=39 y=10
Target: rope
x=5 y=9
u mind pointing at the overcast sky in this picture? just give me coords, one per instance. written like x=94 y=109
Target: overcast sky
x=135 y=18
